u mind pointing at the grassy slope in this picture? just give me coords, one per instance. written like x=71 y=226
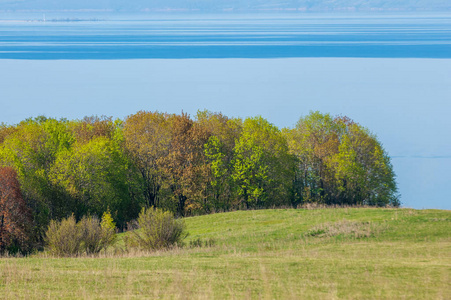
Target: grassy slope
x=262 y=254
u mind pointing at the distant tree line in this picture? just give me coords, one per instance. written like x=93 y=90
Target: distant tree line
x=51 y=169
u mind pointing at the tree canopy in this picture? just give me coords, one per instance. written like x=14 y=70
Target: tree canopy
x=340 y=162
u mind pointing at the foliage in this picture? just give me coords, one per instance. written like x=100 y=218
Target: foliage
x=186 y=168
x=5 y=131
x=31 y=150
x=73 y=167
x=64 y=238
x=219 y=155
x=363 y=171
x=108 y=229
x=97 y=235
x=98 y=175
x=158 y=229
x=147 y=141
x=262 y=165
x=15 y=216
x=89 y=235
x=93 y=127
x=340 y=162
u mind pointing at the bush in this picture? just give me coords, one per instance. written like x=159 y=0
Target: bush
x=108 y=229
x=90 y=235
x=158 y=229
x=64 y=238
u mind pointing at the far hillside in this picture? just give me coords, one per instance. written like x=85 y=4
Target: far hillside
x=228 y=6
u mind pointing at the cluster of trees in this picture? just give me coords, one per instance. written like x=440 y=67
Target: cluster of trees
x=51 y=169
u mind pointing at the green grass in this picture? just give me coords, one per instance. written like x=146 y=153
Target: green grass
x=350 y=253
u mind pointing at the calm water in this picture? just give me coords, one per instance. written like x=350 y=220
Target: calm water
x=391 y=74
x=223 y=36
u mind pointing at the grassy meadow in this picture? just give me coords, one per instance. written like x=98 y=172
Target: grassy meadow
x=349 y=253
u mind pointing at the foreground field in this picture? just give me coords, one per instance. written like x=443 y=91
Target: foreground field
x=285 y=254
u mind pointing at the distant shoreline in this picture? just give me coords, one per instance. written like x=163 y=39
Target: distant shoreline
x=301 y=9
x=62 y=20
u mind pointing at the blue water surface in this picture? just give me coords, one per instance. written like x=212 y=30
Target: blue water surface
x=223 y=36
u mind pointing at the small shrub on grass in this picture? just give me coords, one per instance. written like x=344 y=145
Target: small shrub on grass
x=89 y=235
x=108 y=229
x=91 y=232
x=64 y=238
x=158 y=229
x=96 y=234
